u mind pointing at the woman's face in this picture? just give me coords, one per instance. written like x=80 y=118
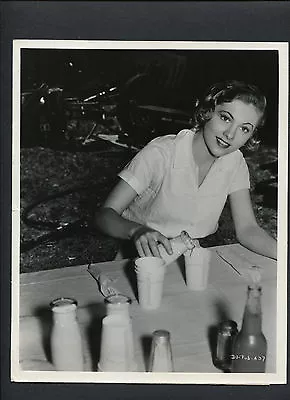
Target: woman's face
x=231 y=125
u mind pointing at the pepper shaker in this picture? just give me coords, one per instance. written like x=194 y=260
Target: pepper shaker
x=227 y=331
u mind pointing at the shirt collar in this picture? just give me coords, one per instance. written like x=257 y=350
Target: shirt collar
x=183 y=149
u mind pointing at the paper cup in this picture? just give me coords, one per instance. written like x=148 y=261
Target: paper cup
x=150 y=277
x=117 y=354
x=154 y=265
x=150 y=293
x=197 y=265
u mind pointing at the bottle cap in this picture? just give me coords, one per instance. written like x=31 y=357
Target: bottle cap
x=228 y=325
x=187 y=240
x=63 y=304
x=161 y=334
x=118 y=299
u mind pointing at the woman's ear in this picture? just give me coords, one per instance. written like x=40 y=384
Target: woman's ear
x=207 y=115
x=253 y=143
x=202 y=116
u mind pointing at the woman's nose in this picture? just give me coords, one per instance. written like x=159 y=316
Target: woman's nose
x=230 y=132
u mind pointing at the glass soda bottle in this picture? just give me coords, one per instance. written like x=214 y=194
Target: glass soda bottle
x=180 y=244
x=161 y=352
x=66 y=340
x=250 y=344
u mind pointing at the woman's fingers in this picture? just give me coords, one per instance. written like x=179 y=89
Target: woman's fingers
x=153 y=244
x=139 y=248
x=146 y=242
x=166 y=243
x=145 y=246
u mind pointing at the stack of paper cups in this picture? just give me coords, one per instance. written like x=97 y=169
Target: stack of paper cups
x=150 y=273
x=197 y=264
x=117 y=350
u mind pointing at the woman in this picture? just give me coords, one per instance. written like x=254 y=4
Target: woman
x=181 y=182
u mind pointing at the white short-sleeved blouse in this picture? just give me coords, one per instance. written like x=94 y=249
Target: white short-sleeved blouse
x=165 y=177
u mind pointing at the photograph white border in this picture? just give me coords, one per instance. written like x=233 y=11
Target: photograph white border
x=177 y=378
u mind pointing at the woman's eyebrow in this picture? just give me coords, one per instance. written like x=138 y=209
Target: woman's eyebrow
x=244 y=123
x=249 y=123
x=227 y=113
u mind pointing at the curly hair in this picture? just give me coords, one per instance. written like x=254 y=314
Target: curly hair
x=225 y=92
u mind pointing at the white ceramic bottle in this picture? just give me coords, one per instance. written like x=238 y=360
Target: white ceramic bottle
x=119 y=304
x=66 y=340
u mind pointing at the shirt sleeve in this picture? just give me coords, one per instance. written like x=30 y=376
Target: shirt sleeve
x=142 y=169
x=241 y=178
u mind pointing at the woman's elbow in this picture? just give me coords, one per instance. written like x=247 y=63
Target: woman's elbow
x=247 y=233
x=242 y=239
x=100 y=217
x=105 y=216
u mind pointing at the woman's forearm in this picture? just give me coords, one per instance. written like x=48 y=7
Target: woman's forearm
x=145 y=238
x=112 y=224
x=256 y=239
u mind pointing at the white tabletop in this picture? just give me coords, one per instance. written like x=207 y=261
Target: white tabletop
x=187 y=315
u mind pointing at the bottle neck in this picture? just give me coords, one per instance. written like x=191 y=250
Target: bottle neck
x=252 y=319
x=188 y=242
x=119 y=309
x=64 y=317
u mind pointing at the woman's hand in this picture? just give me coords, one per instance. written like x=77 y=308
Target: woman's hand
x=146 y=241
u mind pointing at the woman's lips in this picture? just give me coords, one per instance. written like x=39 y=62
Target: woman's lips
x=222 y=143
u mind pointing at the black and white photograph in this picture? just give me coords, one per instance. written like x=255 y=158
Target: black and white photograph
x=149 y=202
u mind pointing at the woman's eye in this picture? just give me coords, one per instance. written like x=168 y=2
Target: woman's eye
x=245 y=129
x=224 y=117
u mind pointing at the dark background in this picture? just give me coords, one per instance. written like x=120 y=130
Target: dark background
x=234 y=21
x=185 y=75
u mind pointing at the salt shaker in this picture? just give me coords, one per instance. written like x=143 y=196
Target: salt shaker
x=227 y=331
x=66 y=340
x=161 y=352
x=180 y=244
